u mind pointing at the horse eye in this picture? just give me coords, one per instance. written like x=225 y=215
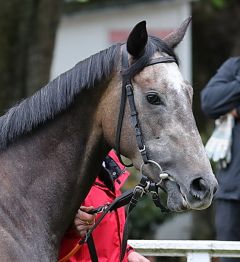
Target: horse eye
x=154 y=99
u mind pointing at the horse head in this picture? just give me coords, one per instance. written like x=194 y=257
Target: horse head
x=163 y=101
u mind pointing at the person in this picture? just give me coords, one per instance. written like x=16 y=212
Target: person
x=221 y=97
x=108 y=234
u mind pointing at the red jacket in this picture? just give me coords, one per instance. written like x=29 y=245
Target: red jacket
x=108 y=234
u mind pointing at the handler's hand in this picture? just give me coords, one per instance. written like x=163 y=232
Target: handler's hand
x=136 y=257
x=84 y=221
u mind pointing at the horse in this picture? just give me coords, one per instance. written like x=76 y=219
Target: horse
x=52 y=144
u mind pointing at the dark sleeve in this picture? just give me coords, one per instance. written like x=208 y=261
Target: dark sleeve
x=222 y=93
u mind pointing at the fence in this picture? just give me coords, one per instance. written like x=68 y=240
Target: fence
x=194 y=250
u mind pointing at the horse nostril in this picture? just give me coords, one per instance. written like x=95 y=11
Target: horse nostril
x=198 y=188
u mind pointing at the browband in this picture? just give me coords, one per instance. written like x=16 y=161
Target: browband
x=161 y=59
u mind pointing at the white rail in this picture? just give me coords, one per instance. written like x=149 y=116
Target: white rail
x=194 y=250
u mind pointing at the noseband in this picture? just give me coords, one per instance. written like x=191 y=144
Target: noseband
x=127 y=93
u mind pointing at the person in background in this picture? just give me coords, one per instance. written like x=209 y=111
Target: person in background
x=108 y=234
x=221 y=100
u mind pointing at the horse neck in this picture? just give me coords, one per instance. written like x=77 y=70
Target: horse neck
x=50 y=172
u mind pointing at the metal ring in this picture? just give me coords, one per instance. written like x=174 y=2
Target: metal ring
x=151 y=162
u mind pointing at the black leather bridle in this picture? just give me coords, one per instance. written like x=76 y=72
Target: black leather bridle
x=127 y=93
x=146 y=185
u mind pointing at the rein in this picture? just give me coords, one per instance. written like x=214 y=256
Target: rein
x=146 y=185
x=130 y=197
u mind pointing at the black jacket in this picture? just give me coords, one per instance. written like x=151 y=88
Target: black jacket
x=220 y=96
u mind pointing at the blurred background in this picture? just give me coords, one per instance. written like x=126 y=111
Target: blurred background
x=39 y=39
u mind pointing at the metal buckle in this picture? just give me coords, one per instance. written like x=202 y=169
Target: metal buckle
x=102 y=208
x=143 y=149
x=147 y=186
x=141 y=189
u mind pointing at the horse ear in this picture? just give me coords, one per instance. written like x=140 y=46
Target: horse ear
x=174 y=38
x=137 y=39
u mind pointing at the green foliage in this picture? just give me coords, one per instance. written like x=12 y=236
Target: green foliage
x=219 y=3
x=144 y=219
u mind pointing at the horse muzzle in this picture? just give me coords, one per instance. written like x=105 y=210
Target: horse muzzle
x=197 y=195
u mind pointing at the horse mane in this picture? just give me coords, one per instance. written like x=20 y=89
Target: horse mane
x=59 y=94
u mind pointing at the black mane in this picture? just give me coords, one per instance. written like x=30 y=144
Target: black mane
x=59 y=94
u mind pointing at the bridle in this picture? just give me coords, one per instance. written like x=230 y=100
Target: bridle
x=146 y=185
x=127 y=93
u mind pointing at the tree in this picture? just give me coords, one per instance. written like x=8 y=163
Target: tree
x=216 y=37
x=27 y=30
